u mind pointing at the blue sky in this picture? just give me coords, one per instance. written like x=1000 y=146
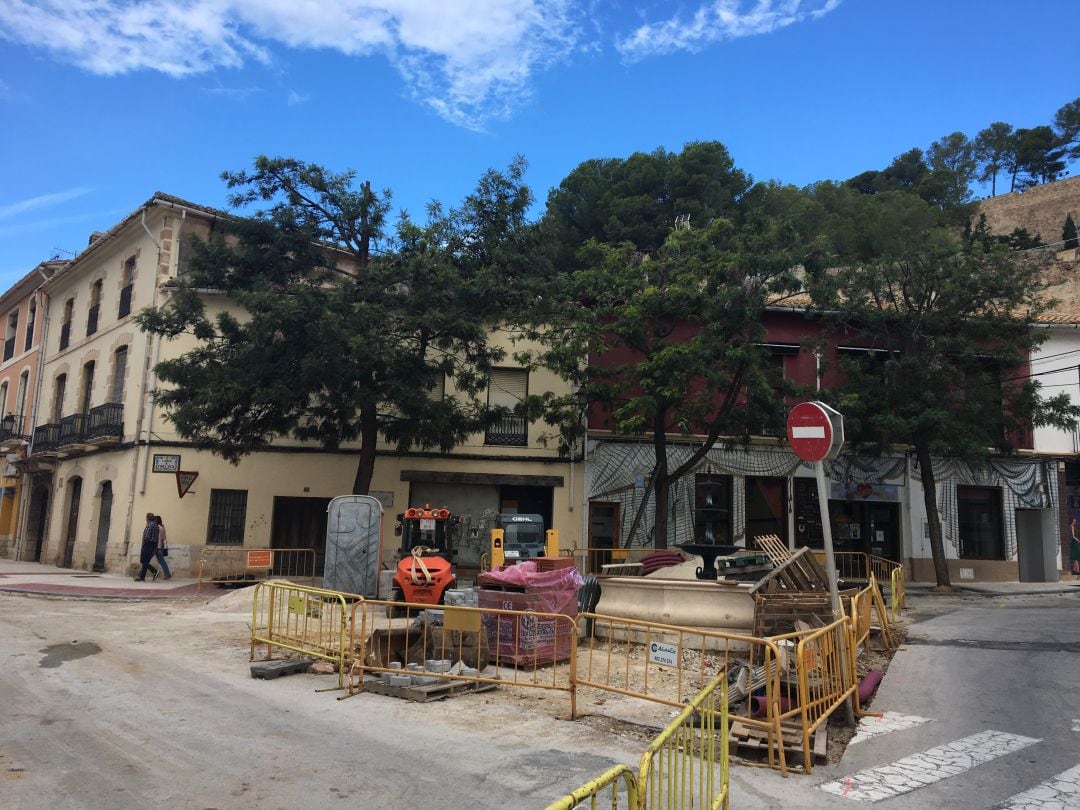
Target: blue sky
x=104 y=102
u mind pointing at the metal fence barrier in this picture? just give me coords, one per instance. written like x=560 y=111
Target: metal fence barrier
x=898 y=591
x=668 y=664
x=680 y=767
x=480 y=645
x=591 y=790
x=228 y=565
x=309 y=621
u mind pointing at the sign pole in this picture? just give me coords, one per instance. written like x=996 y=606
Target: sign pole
x=826 y=537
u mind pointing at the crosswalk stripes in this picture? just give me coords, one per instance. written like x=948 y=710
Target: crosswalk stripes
x=1058 y=793
x=874 y=726
x=927 y=767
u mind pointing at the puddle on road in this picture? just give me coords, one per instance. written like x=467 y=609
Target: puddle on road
x=57 y=654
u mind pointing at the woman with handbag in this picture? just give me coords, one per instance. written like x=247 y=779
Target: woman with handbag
x=162 y=548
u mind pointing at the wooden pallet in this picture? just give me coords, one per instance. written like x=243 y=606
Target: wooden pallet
x=423 y=694
x=799 y=572
x=746 y=740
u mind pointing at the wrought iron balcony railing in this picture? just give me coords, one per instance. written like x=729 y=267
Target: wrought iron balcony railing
x=91 y=320
x=125 y=302
x=105 y=421
x=65 y=335
x=9 y=348
x=72 y=429
x=46 y=438
x=508 y=431
x=11 y=427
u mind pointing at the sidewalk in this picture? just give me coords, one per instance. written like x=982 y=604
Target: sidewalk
x=997 y=588
x=48 y=580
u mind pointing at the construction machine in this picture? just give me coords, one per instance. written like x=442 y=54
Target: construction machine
x=425 y=570
x=516 y=538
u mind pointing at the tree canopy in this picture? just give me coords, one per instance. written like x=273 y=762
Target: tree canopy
x=948 y=321
x=345 y=328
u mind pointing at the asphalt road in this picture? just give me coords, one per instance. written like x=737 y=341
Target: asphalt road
x=141 y=705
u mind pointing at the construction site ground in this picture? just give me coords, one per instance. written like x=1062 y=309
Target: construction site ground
x=125 y=701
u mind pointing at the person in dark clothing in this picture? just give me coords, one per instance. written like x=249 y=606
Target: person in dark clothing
x=149 y=548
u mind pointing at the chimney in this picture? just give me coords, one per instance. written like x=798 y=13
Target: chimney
x=94 y=236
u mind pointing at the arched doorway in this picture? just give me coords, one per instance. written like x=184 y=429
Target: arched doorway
x=37 y=519
x=75 y=490
x=104 y=516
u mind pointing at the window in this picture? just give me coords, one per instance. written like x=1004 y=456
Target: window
x=3 y=397
x=979 y=515
x=9 y=337
x=228 y=511
x=59 y=391
x=507 y=388
x=65 y=326
x=437 y=390
x=125 y=291
x=760 y=403
x=30 y=326
x=24 y=383
x=87 y=386
x=95 y=306
x=119 y=372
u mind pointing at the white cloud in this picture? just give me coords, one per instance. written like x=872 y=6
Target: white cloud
x=470 y=60
x=42 y=201
x=298 y=98
x=718 y=21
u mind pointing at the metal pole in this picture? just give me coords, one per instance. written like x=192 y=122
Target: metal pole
x=826 y=535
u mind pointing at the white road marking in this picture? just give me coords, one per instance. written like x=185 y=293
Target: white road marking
x=927 y=767
x=887 y=723
x=1059 y=793
x=809 y=432
x=1076 y=725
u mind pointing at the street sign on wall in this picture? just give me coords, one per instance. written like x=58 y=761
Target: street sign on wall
x=815 y=431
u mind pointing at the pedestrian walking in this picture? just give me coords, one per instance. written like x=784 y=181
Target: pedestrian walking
x=1074 y=546
x=162 y=547
x=149 y=547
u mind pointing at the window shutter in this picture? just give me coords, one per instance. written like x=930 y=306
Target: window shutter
x=508 y=387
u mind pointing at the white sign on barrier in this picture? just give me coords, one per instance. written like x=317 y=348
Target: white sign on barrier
x=665 y=654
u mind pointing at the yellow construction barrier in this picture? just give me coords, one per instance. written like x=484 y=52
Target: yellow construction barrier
x=309 y=621
x=481 y=645
x=825 y=679
x=668 y=664
x=228 y=565
x=897 y=590
x=613 y=778
x=686 y=766
x=678 y=770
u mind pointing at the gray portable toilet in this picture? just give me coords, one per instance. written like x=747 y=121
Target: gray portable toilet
x=353 y=545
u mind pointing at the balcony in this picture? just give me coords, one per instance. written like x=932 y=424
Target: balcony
x=11 y=432
x=105 y=424
x=508 y=431
x=9 y=349
x=46 y=440
x=71 y=437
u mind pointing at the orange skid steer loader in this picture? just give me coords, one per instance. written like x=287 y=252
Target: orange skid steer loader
x=425 y=570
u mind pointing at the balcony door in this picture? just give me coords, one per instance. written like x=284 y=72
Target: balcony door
x=104 y=520
x=75 y=490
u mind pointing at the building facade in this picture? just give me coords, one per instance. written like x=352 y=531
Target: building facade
x=101 y=453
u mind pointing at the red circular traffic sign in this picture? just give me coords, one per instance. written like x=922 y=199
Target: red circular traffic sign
x=810 y=431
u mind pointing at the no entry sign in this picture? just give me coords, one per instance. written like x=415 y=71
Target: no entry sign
x=815 y=431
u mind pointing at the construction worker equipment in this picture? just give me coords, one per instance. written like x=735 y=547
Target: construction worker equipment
x=425 y=570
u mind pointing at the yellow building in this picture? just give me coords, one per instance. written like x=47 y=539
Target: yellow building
x=102 y=455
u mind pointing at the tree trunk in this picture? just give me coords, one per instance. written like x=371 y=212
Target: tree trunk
x=661 y=482
x=933 y=518
x=369 y=436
